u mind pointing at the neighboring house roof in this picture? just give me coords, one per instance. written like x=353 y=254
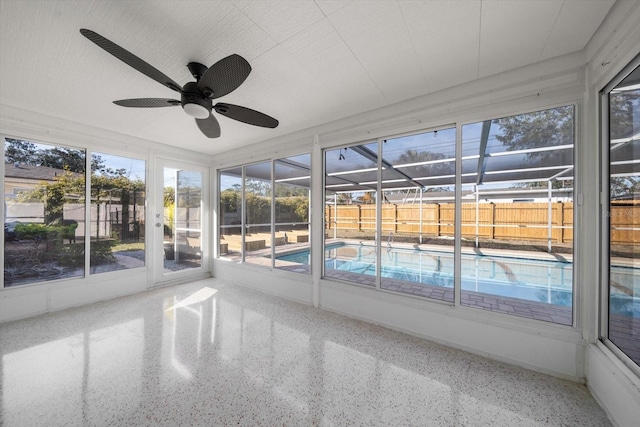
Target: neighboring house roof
x=39 y=173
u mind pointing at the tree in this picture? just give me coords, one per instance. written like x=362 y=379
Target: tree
x=17 y=151
x=230 y=200
x=62 y=158
x=54 y=195
x=288 y=190
x=97 y=165
x=258 y=209
x=624 y=117
x=71 y=187
x=28 y=153
x=622 y=108
x=344 y=199
x=367 y=198
x=169 y=196
x=433 y=169
x=546 y=128
x=258 y=187
x=624 y=187
x=110 y=186
x=292 y=209
x=555 y=184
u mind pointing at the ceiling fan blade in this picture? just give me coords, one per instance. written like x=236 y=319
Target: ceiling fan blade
x=209 y=126
x=224 y=76
x=245 y=115
x=147 y=102
x=131 y=60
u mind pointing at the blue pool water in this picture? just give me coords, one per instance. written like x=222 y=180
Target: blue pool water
x=529 y=279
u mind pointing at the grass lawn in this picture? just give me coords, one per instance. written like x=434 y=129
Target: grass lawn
x=121 y=247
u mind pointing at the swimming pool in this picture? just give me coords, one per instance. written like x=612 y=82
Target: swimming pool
x=529 y=279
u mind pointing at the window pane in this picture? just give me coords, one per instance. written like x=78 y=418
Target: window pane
x=257 y=192
x=230 y=213
x=44 y=212
x=418 y=180
x=182 y=219
x=624 y=216
x=517 y=215
x=117 y=240
x=350 y=214
x=292 y=185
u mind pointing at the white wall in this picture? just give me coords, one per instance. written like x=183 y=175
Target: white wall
x=293 y=286
x=30 y=300
x=613 y=385
x=556 y=351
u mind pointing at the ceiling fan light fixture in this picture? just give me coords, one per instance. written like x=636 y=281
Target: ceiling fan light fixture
x=193 y=103
x=196 y=110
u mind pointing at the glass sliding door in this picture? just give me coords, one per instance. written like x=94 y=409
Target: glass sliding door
x=180 y=218
x=623 y=215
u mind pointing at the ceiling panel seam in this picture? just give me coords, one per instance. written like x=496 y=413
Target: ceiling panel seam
x=415 y=51
x=553 y=27
x=359 y=61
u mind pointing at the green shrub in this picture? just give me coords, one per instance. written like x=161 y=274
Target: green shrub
x=31 y=231
x=102 y=252
x=70 y=255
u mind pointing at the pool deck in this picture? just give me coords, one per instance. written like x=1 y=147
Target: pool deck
x=558 y=314
x=449 y=249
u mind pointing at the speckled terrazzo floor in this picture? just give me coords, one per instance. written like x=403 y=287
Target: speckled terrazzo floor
x=209 y=353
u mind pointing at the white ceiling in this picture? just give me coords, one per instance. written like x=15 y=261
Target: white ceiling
x=314 y=61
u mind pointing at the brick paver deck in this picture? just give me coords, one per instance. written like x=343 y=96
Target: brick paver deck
x=514 y=306
x=624 y=332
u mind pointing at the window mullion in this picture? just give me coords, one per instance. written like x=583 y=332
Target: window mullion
x=378 y=233
x=273 y=214
x=457 y=251
x=87 y=213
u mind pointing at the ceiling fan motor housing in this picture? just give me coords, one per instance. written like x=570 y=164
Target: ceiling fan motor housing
x=192 y=95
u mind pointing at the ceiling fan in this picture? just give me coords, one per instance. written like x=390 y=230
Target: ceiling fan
x=221 y=78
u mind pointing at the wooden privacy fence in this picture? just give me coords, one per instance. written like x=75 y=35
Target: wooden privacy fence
x=501 y=221
x=624 y=217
